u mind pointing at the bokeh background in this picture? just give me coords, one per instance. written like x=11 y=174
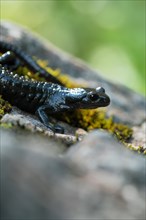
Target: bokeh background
x=109 y=35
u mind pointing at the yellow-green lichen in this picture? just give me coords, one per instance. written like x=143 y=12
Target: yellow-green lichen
x=5 y=107
x=6 y=125
x=64 y=78
x=139 y=149
x=92 y=119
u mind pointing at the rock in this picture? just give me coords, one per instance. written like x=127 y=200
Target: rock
x=80 y=134
x=31 y=123
x=99 y=151
x=34 y=142
x=139 y=134
x=120 y=174
x=42 y=184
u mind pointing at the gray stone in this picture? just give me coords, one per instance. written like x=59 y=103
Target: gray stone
x=43 y=184
x=30 y=122
x=100 y=151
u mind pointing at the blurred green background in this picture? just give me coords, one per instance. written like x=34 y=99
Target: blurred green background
x=109 y=35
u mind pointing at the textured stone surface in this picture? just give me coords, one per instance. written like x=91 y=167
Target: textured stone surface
x=101 y=181
x=99 y=151
x=139 y=135
x=30 y=122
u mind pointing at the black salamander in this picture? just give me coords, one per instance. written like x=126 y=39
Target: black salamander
x=6 y=48
x=45 y=99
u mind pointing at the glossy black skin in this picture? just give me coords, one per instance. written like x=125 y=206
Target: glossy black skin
x=27 y=60
x=9 y=61
x=44 y=98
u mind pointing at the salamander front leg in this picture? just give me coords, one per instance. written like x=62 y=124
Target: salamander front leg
x=45 y=119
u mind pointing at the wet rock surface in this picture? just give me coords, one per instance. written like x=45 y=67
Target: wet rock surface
x=76 y=175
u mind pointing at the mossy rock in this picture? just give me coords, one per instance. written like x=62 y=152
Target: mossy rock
x=117 y=119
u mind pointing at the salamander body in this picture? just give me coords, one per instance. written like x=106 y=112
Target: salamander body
x=46 y=98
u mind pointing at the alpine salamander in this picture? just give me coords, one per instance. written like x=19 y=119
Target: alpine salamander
x=43 y=98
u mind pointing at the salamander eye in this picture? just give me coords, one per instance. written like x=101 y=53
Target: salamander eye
x=93 y=96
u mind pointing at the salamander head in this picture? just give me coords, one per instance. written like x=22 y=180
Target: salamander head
x=88 y=98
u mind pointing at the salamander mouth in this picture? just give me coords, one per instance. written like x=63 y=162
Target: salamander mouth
x=105 y=100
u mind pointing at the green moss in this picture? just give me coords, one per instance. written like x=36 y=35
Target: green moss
x=5 y=107
x=6 y=125
x=139 y=149
x=93 y=119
